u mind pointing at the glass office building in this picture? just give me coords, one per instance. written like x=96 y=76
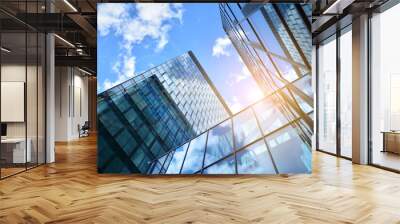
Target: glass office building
x=272 y=136
x=154 y=112
x=274 y=41
x=264 y=138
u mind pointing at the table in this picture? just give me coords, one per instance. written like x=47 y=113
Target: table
x=391 y=141
x=13 y=150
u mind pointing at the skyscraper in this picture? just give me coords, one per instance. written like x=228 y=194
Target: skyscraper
x=274 y=41
x=273 y=135
x=150 y=114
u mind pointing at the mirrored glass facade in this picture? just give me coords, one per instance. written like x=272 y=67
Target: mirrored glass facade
x=272 y=136
x=253 y=141
x=145 y=117
x=274 y=41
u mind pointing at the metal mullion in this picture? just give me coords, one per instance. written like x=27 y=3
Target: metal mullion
x=26 y=88
x=234 y=146
x=205 y=151
x=184 y=158
x=369 y=88
x=316 y=108
x=338 y=95
x=265 y=142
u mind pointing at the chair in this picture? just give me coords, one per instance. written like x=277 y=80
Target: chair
x=84 y=130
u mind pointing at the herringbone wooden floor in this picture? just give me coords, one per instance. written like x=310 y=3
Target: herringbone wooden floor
x=70 y=191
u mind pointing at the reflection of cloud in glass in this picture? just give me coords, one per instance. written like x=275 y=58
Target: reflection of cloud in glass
x=290 y=153
x=255 y=160
x=194 y=157
x=269 y=115
x=219 y=143
x=246 y=129
x=177 y=159
x=226 y=166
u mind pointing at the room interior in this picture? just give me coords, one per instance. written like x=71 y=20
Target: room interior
x=355 y=176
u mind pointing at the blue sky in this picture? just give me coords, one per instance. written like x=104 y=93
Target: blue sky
x=135 y=37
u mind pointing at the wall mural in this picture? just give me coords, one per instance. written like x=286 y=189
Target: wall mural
x=200 y=88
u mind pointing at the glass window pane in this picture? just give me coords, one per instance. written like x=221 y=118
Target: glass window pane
x=194 y=157
x=305 y=106
x=346 y=94
x=219 y=143
x=177 y=159
x=255 y=159
x=385 y=88
x=226 y=166
x=305 y=85
x=327 y=96
x=156 y=169
x=162 y=159
x=269 y=114
x=166 y=163
x=14 y=70
x=290 y=153
x=245 y=128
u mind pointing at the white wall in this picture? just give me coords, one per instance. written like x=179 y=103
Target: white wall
x=71 y=102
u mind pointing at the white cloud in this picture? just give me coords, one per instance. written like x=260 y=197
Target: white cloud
x=240 y=76
x=110 y=16
x=151 y=20
x=220 y=46
x=124 y=71
x=235 y=105
x=245 y=74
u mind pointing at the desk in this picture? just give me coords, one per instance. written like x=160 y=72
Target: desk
x=13 y=150
x=391 y=141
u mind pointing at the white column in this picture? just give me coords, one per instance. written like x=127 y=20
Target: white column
x=50 y=92
x=314 y=88
x=360 y=90
x=50 y=99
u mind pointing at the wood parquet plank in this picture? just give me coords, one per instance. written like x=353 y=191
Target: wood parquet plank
x=71 y=191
